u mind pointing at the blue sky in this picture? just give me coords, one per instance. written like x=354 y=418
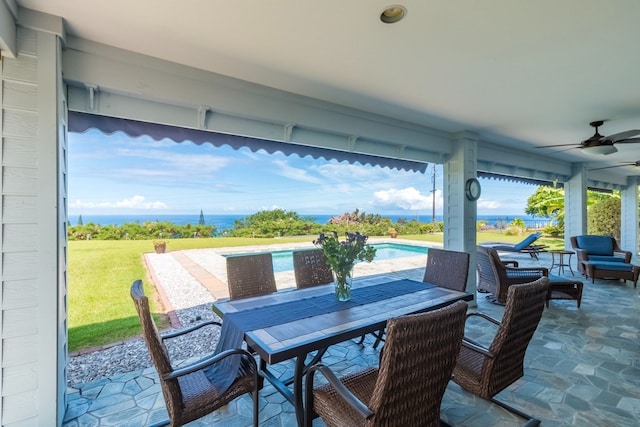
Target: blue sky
x=116 y=174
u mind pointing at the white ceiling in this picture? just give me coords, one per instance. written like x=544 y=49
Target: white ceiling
x=519 y=73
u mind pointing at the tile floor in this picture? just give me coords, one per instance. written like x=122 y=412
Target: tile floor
x=582 y=369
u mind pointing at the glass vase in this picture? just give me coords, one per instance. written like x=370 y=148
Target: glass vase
x=342 y=282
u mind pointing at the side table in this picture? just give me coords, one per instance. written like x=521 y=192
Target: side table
x=561 y=264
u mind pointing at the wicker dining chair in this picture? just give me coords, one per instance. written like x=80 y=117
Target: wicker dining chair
x=497 y=276
x=485 y=372
x=250 y=275
x=407 y=388
x=447 y=269
x=188 y=392
x=311 y=269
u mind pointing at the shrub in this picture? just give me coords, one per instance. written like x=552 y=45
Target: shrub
x=513 y=230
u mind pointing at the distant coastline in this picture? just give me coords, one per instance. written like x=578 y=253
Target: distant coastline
x=226 y=221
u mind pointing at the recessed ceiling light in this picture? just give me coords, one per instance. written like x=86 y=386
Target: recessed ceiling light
x=393 y=14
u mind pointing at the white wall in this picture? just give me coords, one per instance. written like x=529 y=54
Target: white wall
x=33 y=349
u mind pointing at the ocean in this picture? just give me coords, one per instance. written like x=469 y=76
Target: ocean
x=226 y=221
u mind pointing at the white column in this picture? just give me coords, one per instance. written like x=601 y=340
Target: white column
x=460 y=214
x=575 y=203
x=629 y=216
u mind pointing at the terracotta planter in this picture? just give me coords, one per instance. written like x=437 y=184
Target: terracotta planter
x=161 y=248
x=393 y=235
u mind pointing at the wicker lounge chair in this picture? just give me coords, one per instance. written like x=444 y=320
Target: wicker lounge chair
x=250 y=275
x=188 y=392
x=525 y=246
x=447 y=269
x=311 y=269
x=496 y=277
x=487 y=371
x=407 y=388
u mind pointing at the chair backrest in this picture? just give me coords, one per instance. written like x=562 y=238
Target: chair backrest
x=419 y=355
x=157 y=350
x=522 y=313
x=250 y=275
x=595 y=245
x=488 y=277
x=527 y=241
x=311 y=269
x=447 y=269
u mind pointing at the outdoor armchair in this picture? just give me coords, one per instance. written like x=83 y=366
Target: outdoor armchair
x=188 y=391
x=496 y=277
x=407 y=387
x=486 y=371
x=600 y=257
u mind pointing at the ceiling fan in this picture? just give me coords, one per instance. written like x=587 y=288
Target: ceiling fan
x=599 y=144
x=636 y=164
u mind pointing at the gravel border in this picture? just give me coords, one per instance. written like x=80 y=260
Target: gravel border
x=182 y=291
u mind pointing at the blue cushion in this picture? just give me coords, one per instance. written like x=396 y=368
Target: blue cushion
x=617 y=266
x=526 y=242
x=602 y=258
x=596 y=245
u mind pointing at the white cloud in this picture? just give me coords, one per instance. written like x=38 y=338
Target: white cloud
x=177 y=162
x=135 y=202
x=489 y=204
x=407 y=198
x=297 y=174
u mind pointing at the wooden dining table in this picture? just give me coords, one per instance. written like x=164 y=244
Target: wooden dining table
x=291 y=325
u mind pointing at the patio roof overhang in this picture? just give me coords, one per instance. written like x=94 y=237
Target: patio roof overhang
x=82 y=122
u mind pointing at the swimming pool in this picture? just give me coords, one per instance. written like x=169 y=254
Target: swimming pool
x=283 y=260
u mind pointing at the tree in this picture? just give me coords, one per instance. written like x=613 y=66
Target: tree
x=201 y=221
x=604 y=217
x=548 y=202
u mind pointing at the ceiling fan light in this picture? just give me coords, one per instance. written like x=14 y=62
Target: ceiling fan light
x=601 y=149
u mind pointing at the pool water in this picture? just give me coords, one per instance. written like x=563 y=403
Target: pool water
x=283 y=260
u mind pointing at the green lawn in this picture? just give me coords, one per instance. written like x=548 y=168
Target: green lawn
x=100 y=274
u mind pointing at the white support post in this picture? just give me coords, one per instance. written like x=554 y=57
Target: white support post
x=575 y=203
x=460 y=214
x=629 y=216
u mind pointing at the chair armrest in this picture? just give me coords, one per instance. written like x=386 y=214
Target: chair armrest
x=623 y=254
x=508 y=263
x=473 y=346
x=342 y=391
x=581 y=255
x=485 y=317
x=208 y=361
x=190 y=329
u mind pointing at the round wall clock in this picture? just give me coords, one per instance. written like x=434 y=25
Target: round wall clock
x=472 y=189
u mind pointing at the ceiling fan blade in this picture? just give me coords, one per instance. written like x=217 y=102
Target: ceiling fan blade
x=559 y=145
x=628 y=141
x=616 y=137
x=609 y=167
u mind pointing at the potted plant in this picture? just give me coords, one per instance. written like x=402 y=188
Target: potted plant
x=160 y=246
x=393 y=233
